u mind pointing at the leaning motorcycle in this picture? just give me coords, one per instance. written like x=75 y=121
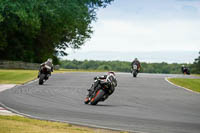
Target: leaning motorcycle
x=44 y=73
x=101 y=92
x=134 y=70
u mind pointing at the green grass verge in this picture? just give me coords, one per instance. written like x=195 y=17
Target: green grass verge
x=23 y=76
x=196 y=75
x=18 y=124
x=192 y=84
x=17 y=76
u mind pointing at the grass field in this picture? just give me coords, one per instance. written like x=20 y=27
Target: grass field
x=17 y=76
x=196 y=75
x=193 y=84
x=23 y=76
x=17 y=124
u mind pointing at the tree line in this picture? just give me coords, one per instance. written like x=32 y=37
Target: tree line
x=34 y=30
x=124 y=66
x=121 y=66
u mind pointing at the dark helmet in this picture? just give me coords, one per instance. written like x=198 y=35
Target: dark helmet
x=136 y=59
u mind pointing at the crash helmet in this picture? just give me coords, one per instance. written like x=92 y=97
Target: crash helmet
x=111 y=78
x=111 y=72
x=49 y=60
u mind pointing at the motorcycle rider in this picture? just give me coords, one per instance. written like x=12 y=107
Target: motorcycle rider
x=136 y=62
x=48 y=64
x=185 y=70
x=109 y=81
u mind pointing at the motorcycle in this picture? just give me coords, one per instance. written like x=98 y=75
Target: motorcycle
x=101 y=92
x=186 y=71
x=44 y=73
x=134 y=70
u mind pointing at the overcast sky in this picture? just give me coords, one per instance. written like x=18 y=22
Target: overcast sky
x=146 y=26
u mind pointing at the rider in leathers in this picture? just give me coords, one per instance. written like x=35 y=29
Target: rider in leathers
x=49 y=66
x=137 y=62
x=109 y=81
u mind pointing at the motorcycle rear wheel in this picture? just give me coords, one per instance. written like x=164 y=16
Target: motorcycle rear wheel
x=134 y=73
x=100 y=93
x=41 y=79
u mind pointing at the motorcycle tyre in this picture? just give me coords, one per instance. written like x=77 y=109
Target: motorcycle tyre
x=134 y=74
x=97 y=97
x=86 y=100
x=41 y=79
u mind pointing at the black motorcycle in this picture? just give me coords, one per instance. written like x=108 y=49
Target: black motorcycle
x=102 y=90
x=44 y=73
x=186 y=71
x=134 y=70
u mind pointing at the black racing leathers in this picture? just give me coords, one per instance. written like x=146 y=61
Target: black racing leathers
x=101 y=82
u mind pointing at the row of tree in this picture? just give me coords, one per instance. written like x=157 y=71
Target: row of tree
x=34 y=30
x=123 y=66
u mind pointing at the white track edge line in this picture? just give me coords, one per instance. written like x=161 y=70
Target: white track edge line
x=166 y=79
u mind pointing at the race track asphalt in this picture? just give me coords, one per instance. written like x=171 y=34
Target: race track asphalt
x=147 y=103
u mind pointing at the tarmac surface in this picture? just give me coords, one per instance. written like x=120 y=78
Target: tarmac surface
x=4 y=111
x=147 y=103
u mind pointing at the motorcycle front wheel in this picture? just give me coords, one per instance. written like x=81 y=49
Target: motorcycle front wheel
x=86 y=100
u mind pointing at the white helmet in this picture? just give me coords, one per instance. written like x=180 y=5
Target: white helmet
x=49 y=60
x=111 y=72
x=111 y=78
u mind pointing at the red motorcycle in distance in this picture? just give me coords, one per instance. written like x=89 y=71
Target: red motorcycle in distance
x=134 y=70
